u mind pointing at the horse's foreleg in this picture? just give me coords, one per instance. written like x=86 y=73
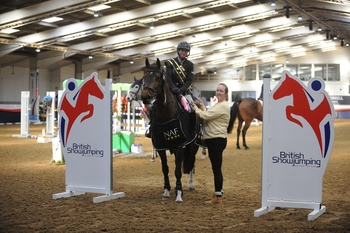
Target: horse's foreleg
x=204 y=152
x=191 y=181
x=90 y=110
x=178 y=197
x=178 y=175
x=165 y=170
x=166 y=195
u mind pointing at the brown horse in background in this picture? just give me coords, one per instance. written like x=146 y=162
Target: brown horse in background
x=245 y=110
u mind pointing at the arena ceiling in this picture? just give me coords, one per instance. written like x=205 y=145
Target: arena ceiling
x=222 y=33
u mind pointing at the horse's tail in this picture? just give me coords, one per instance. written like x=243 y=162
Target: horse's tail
x=233 y=116
x=190 y=152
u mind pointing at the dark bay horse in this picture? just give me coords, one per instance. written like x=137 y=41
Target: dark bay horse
x=171 y=128
x=134 y=94
x=245 y=110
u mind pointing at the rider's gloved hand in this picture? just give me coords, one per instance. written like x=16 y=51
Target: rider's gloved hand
x=176 y=91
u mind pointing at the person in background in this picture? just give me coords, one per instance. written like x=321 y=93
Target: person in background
x=216 y=121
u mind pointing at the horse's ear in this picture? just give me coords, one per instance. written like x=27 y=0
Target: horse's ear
x=135 y=79
x=147 y=62
x=158 y=62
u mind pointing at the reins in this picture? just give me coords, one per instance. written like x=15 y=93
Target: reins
x=161 y=71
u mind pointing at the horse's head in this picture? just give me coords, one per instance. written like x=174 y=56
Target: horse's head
x=153 y=81
x=93 y=89
x=135 y=90
x=286 y=88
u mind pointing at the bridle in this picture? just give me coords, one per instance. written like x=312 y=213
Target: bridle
x=153 y=92
x=134 y=94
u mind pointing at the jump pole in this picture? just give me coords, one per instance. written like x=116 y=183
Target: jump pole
x=57 y=156
x=49 y=133
x=50 y=116
x=24 y=115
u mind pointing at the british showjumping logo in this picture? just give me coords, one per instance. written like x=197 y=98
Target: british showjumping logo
x=312 y=103
x=75 y=106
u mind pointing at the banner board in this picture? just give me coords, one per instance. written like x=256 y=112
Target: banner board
x=298 y=135
x=86 y=135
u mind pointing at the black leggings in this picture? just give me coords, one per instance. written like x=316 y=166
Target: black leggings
x=216 y=147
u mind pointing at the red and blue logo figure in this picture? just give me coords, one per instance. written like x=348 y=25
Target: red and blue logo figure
x=312 y=104
x=75 y=103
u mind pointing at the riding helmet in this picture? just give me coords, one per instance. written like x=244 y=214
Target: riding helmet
x=184 y=45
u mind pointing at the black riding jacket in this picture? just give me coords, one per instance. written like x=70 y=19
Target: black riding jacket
x=172 y=77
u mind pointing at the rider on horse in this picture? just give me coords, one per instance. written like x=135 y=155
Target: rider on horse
x=179 y=73
x=179 y=70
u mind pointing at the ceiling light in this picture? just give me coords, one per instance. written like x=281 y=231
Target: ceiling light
x=335 y=37
x=152 y=26
x=331 y=48
x=193 y=10
x=347 y=44
x=300 y=17
x=319 y=29
x=52 y=19
x=99 y=7
x=273 y=3
x=9 y=30
x=147 y=20
x=299 y=54
x=131 y=62
x=90 y=57
x=96 y=14
x=37 y=50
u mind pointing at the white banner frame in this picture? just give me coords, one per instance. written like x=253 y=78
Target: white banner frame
x=270 y=202
x=103 y=172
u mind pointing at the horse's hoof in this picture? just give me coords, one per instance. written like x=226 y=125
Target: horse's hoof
x=247 y=148
x=202 y=157
x=151 y=160
x=179 y=202
x=192 y=189
x=166 y=198
x=238 y=147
